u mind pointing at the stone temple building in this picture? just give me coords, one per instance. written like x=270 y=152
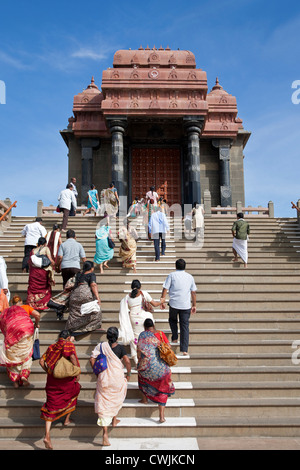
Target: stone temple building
x=153 y=122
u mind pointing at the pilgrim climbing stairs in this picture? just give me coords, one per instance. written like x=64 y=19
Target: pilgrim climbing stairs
x=241 y=377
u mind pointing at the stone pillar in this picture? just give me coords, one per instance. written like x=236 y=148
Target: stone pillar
x=271 y=209
x=193 y=126
x=40 y=205
x=117 y=128
x=207 y=203
x=224 y=158
x=87 y=146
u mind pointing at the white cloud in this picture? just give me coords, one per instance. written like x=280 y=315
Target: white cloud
x=85 y=53
x=12 y=61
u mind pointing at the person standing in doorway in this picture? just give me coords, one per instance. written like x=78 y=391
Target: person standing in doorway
x=32 y=232
x=182 y=290
x=158 y=228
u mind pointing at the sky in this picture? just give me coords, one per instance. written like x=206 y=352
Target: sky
x=50 y=50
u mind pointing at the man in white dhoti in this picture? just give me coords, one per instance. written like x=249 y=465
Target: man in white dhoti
x=240 y=232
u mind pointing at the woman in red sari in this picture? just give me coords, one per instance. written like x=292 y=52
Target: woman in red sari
x=16 y=351
x=61 y=394
x=40 y=280
x=154 y=374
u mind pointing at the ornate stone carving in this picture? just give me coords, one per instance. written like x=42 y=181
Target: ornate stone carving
x=173 y=75
x=135 y=74
x=192 y=76
x=154 y=73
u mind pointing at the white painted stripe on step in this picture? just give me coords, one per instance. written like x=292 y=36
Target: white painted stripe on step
x=151 y=256
x=155 y=262
x=178 y=385
x=153 y=444
x=134 y=402
x=145 y=274
x=150 y=422
x=177 y=370
x=148 y=290
x=145 y=282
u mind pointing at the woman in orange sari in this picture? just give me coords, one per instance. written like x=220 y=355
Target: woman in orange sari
x=61 y=394
x=16 y=351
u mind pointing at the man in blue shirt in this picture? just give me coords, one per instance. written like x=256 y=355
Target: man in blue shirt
x=182 y=289
x=158 y=228
x=69 y=255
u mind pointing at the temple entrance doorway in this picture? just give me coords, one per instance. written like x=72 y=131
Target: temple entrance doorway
x=158 y=167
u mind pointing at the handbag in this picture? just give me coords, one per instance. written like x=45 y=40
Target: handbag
x=64 y=368
x=36 y=345
x=111 y=244
x=146 y=305
x=101 y=363
x=40 y=261
x=58 y=209
x=90 y=307
x=166 y=352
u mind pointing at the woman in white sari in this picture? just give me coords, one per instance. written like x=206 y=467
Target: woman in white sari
x=111 y=383
x=132 y=315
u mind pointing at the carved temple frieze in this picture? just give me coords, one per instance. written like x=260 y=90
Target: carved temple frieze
x=155 y=82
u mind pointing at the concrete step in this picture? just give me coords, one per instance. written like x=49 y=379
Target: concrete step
x=175 y=427
x=195 y=373
x=183 y=390
x=175 y=408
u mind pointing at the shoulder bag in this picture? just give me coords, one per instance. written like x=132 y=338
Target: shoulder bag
x=166 y=352
x=36 y=345
x=40 y=261
x=64 y=368
x=111 y=244
x=101 y=363
x=146 y=305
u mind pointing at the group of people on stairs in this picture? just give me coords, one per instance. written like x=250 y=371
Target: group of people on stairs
x=137 y=328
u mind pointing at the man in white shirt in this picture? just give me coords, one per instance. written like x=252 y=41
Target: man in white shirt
x=182 y=289
x=32 y=233
x=66 y=199
x=158 y=228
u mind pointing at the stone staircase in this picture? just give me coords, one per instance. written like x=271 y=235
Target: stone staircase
x=239 y=378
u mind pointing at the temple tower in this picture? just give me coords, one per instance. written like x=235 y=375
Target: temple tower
x=154 y=123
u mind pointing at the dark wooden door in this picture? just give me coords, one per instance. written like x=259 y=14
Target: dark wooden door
x=158 y=167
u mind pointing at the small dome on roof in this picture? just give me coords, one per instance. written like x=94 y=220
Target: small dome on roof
x=218 y=89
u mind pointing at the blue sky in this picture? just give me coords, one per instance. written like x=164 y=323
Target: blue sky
x=49 y=52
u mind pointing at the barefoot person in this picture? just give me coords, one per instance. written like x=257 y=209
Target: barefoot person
x=61 y=393
x=104 y=252
x=17 y=348
x=182 y=302
x=111 y=384
x=154 y=374
x=240 y=231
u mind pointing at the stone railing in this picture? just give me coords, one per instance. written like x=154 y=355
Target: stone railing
x=230 y=211
x=6 y=207
x=50 y=211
